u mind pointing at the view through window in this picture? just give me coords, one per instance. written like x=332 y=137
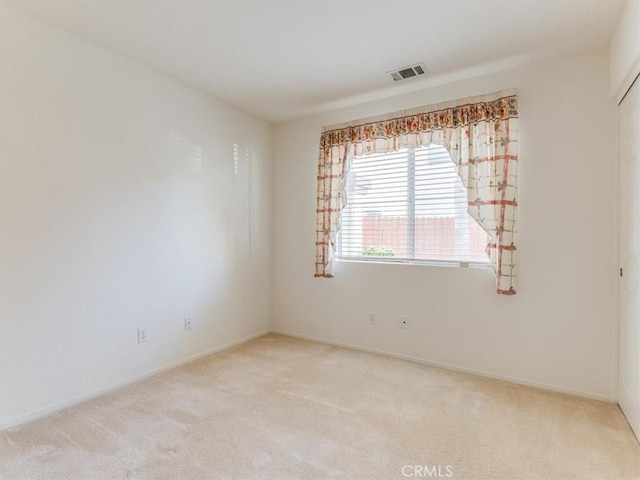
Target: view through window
x=409 y=206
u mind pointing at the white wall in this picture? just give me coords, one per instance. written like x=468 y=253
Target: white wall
x=557 y=331
x=120 y=209
x=624 y=51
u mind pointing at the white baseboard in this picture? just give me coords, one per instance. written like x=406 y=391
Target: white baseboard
x=447 y=366
x=56 y=407
x=98 y=392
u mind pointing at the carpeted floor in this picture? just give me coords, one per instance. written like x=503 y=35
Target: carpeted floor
x=281 y=408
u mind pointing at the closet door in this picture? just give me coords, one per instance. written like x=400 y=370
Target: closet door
x=629 y=151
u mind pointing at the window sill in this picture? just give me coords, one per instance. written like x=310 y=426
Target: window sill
x=420 y=263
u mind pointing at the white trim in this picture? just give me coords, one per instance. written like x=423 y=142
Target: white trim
x=420 y=263
x=615 y=323
x=626 y=84
x=59 y=406
x=448 y=366
x=98 y=392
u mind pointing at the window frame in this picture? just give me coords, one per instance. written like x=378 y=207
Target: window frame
x=411 y=217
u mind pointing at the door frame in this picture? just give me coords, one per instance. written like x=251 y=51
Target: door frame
x=616 y=350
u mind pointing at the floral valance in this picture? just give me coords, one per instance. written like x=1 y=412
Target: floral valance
x=416 y=122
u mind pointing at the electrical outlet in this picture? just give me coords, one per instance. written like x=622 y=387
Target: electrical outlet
x=372 y=318
x=143 y=335
x=188 y=323
x=404 y=322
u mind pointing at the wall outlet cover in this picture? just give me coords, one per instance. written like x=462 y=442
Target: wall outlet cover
x=143 y=335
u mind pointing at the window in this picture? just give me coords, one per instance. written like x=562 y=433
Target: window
x=409 y=206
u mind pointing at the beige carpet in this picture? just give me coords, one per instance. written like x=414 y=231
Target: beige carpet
x=280 y=408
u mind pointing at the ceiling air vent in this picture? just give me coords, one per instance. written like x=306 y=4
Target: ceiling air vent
x=408 y=72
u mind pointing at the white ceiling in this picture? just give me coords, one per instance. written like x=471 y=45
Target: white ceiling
x=284 y=59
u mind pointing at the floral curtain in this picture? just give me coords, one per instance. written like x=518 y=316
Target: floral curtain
x=481 y=135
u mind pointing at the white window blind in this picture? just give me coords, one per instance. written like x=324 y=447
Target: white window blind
x=409 y=206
